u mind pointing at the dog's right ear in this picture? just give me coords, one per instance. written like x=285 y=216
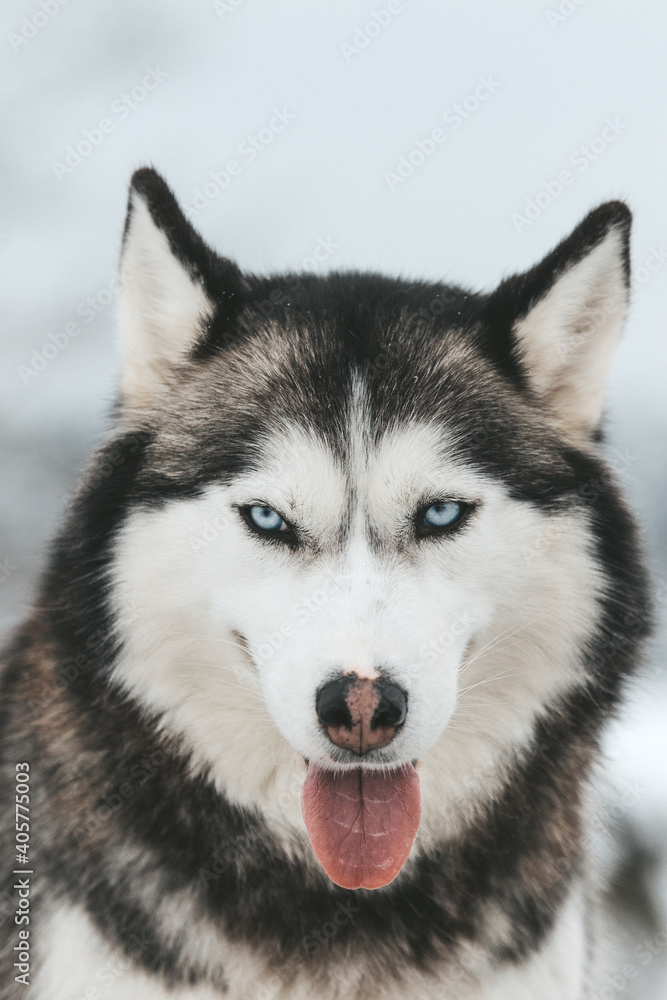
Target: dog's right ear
x=174 y=288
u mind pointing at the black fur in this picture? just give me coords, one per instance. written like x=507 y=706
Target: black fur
x=523 y=849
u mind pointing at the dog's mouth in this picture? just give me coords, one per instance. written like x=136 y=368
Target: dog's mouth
x=361 y=822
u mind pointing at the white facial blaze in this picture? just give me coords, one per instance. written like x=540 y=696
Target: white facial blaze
x=356 y=612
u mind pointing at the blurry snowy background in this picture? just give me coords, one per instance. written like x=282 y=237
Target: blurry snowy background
x=334 y=115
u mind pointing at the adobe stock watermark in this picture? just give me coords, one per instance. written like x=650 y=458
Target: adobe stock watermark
x=304 y=612
x=561 y=13
x=317 y=939
x=114 y=970
x=657 y=258
x=225 y=7
x=604 y=312
x=580 y=159
x=94 y=645
x=453 y=117
x=455 y=629
x=248 y=150
x=142 y=771
x=374 y=26
x=280 y=298
x=56 y=342
x=35 y=22
x=617 y=980
x=7 y=567
x=324 y=248
x=121 y=108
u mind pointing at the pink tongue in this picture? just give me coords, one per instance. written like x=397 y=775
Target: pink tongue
x=361 y=823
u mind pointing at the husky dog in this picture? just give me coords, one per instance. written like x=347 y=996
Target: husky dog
x=312 y=691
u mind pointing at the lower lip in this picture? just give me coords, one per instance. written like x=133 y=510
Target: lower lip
x=336 y=765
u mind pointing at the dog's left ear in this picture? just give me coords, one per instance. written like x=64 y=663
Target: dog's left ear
x=175 y=290
x=564 y=317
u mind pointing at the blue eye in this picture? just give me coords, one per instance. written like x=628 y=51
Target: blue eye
x=442 y=514
x=267 y=519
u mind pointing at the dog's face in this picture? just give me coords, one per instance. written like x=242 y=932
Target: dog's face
x=362 y=560
x=358 y=537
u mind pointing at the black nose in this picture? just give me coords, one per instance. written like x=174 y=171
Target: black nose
x=360 y=714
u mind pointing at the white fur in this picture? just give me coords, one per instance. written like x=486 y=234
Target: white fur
x=78 y=964
x=557 y=971
x=569 y=337
x=481 y=627
x=162 y=307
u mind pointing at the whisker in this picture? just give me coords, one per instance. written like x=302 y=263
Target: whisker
x=508 y=633
x=502 y=675
x=218 y=681
x=203 y=638
x=238 y=670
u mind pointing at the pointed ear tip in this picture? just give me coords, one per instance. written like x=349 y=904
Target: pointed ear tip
x=612 y=215
x=147 y=182
x=149 y=187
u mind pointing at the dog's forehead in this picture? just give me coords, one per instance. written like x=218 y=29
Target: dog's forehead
x=409 y=461
x=307 y=362
x=356 y=384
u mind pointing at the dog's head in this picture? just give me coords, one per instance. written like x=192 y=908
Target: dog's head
x=359 y=534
